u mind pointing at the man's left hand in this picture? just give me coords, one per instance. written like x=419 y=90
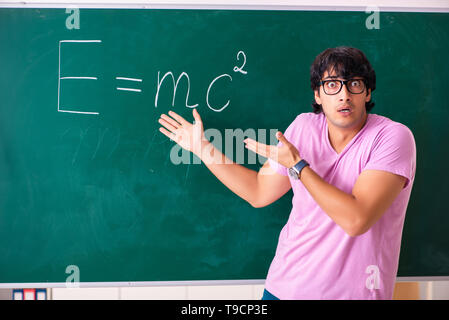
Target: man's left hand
x=286 y=155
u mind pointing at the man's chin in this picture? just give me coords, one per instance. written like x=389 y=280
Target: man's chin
x=346 y=123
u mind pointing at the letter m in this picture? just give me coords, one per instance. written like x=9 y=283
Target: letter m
x=175 y=86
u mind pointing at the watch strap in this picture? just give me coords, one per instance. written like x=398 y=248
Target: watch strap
x=300 y=165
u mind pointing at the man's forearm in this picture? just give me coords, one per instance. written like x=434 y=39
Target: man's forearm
x=239 y=179
x=340 y=206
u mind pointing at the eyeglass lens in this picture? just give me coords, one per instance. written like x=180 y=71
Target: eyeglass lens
x=334 y=86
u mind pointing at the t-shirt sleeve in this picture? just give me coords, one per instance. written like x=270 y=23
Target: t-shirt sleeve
x=288 y=135
x=394 y=151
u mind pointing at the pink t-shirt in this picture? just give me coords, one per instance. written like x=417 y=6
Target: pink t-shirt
x=315 y=258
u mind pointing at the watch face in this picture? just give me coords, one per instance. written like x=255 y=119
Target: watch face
x=292 y=173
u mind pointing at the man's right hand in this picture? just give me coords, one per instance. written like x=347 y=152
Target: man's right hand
x=189 y=136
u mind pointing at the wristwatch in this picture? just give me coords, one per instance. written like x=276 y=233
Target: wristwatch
x=295 y=171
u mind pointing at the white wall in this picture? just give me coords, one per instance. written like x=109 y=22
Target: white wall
x=429 y=290
x=227 y=292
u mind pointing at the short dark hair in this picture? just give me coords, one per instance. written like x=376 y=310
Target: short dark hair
x=347 y=62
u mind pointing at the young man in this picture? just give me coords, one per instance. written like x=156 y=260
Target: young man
x=351 y=174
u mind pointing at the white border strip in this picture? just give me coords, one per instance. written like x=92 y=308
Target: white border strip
x=274 y=7
x=172 y=283
x=130 y=284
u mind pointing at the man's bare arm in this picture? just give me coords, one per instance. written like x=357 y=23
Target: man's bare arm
x=257 y=188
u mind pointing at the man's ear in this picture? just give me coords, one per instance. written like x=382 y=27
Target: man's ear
x=317 y=96
x=368 y=96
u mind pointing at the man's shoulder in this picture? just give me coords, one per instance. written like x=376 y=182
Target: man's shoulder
x=387 y=133
x=305 y=122
x=309 y=117
x=384 y=125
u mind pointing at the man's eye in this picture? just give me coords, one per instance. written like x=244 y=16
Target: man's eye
x=331 y=84
x=355 y=83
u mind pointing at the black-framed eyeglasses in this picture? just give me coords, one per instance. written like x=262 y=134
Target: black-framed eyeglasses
x=354 y=86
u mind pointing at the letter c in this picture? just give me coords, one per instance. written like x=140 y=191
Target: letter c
x=208 y=89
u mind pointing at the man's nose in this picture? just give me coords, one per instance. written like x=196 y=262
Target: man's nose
x=344 y=94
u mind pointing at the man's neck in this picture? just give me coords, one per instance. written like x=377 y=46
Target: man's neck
x=340 y=137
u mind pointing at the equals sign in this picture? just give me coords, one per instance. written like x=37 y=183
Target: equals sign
x=129 y=79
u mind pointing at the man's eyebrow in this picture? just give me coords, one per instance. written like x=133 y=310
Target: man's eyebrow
x=335 y=77
x=332 y=77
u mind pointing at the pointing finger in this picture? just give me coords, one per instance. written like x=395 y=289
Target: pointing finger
x=257 y=147
x=167 y=125
x=173 y=122
x=169 y=135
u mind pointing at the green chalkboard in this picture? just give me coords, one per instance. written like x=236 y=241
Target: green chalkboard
x=87 y=180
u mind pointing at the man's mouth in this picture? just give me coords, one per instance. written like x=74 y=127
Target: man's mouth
x=345 y=109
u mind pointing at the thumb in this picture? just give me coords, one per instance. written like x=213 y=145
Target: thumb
x=196 y=115
x=281 y=138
